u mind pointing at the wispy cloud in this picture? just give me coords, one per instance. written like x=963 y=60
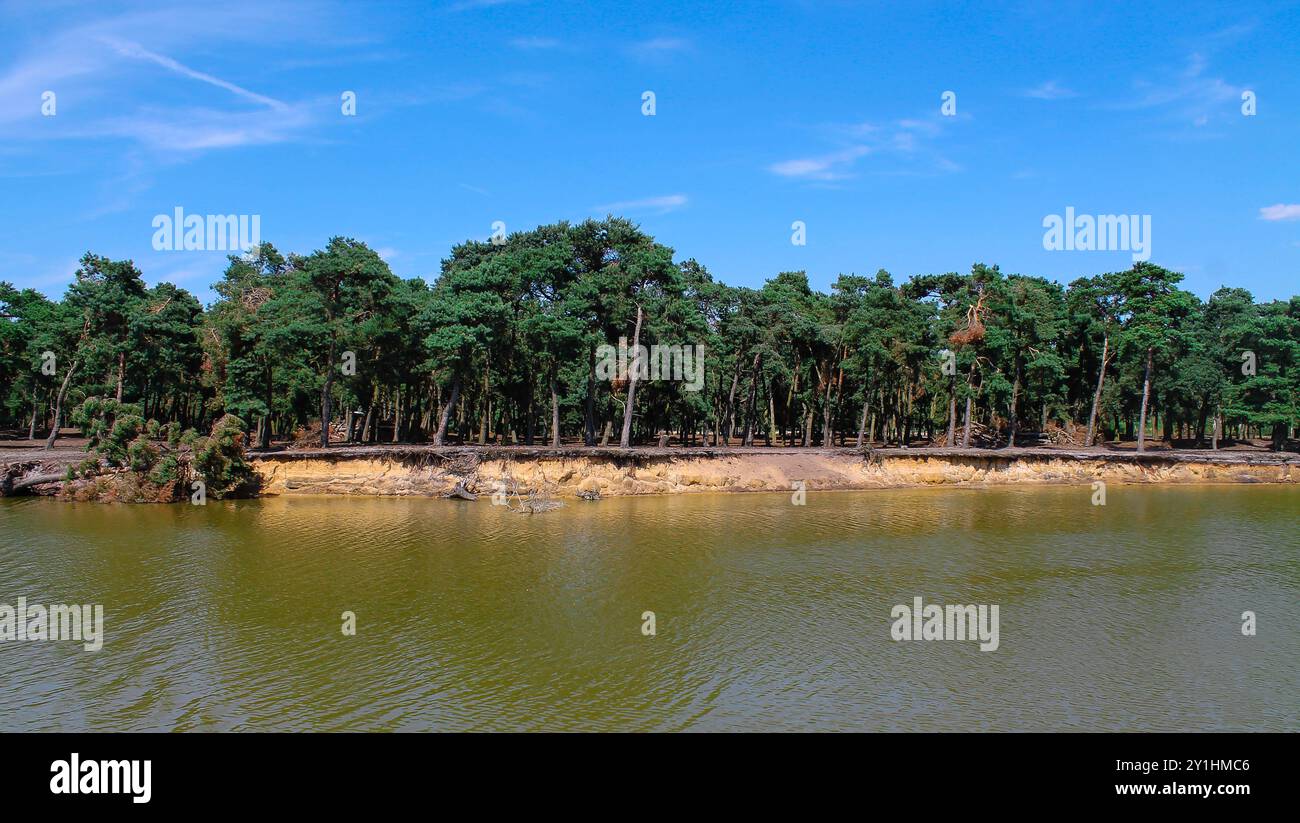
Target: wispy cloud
x=134 y=50
x=1191 y=94
x=1049 y=90
x=658 y=205
x=660 y=47
x=909 y=140
x=84 y=61
x=832 y=166
x=196 y=130
x=471 y=5
x=83 y=56
x=535 y=43
x=1227 y=36
x=190 y=109
x=1281 y=211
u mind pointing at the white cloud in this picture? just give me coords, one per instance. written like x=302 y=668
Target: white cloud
x=826 y=167
x=535 y=43
x=1281 y=211
x=196 y=130
x=660 y=205
x=909 y=141
x=1190 y=95
x=82 y=57
x=659 y=47
x=1050 y=91
x=134 y=50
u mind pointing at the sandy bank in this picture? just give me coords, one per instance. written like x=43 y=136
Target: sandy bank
x=426 y=471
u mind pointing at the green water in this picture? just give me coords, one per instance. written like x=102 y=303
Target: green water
x=768 y=615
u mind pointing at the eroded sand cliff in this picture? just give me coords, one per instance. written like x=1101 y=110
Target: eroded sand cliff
x=612 y=472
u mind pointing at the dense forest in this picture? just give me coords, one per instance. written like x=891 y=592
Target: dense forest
x=502 y=348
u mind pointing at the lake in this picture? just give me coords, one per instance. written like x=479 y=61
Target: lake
x=767 y=615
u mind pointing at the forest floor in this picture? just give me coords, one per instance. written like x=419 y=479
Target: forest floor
x=70 y=448
x=407 y=468
x=1242 y=454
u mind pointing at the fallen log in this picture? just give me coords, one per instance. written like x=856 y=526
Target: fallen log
x=12 y=486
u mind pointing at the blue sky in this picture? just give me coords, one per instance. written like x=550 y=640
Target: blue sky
x=473 y=111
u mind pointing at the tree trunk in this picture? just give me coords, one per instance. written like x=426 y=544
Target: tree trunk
x=530 y=416
x=58 y=406
x=370 y=414
x=747 y=438
x=326 y=411
x=970 y=408
x=789 y=397
x=121 y=373
x=1015 y=418
x=771 y=412
x=264 y=441
x=862 y=423
x=907 y=418
x=1146 y=394
x=1201 y=423
x=1096 y=397
x=36 y=408
x=441 y=434
x=728 y=417
x=589 y=424
x=952 y=410
x=626 y=439
x=555 y=413
x=485 y=410
x=397 y=414
x=827 y=410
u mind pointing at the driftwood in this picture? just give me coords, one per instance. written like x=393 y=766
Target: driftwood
x=532 y=501
x=37 y=480
x=10 y=485
x=1068 y=435
x=461 y=493
x=981 y=436
x=531 y=506
x=21 y=475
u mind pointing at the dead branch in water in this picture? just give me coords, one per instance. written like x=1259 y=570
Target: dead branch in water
x=461 y=493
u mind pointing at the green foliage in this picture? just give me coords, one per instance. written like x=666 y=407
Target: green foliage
x=502 y=341
x=160 y=468
x=219 y=460
x=110 y=427
x=169 y=470
x=141 y=455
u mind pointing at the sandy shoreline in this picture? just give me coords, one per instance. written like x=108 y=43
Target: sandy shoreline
x=570 y=472
x=574 y=472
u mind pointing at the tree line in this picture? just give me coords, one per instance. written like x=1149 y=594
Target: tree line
x=502 y=348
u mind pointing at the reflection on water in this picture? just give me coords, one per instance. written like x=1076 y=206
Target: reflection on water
x=769 y=616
